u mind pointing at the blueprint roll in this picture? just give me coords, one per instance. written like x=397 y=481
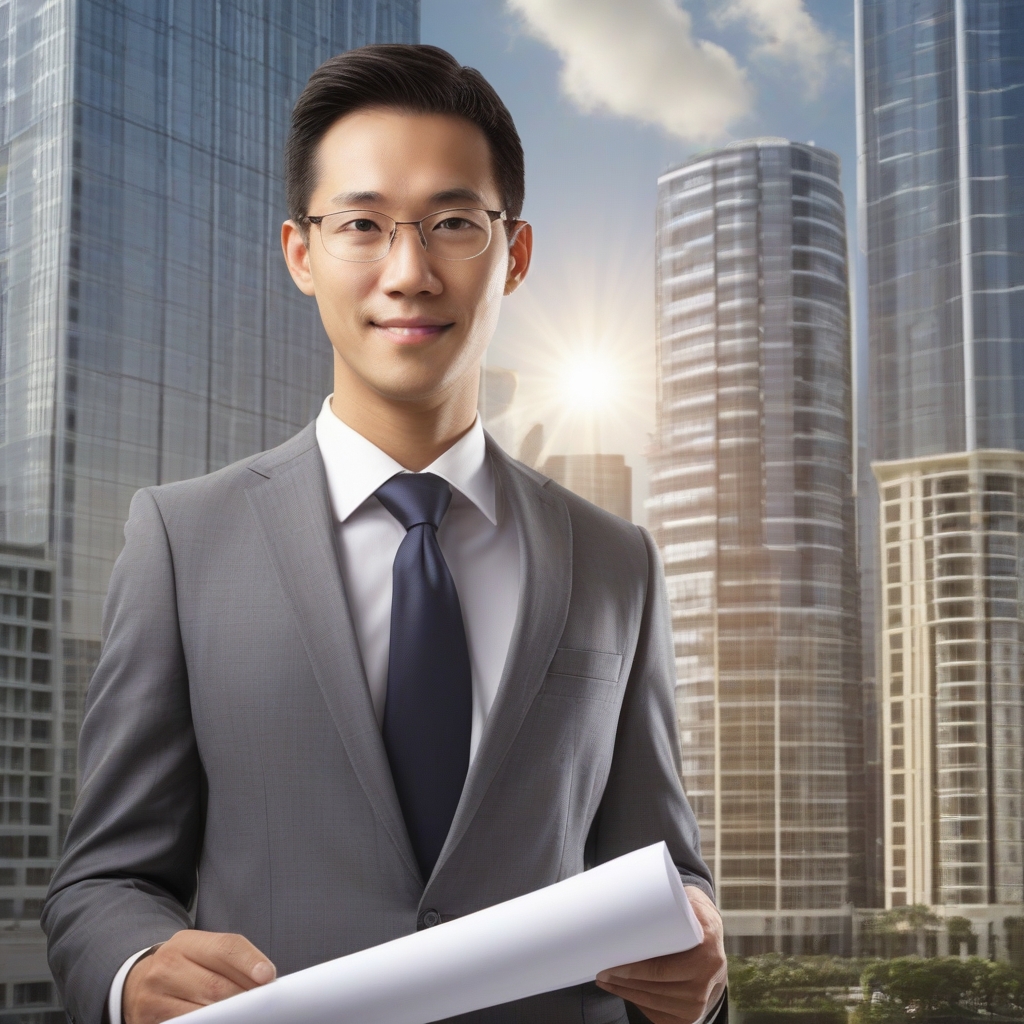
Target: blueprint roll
x=631 y=908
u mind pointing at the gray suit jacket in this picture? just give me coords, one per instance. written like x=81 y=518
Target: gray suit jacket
x=233 y=777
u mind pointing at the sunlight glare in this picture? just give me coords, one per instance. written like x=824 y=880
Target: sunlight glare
x=588 y=382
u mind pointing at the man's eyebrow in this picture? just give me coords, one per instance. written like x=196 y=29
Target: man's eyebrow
x=452 y=195
x=349 y=199
x=357 y=200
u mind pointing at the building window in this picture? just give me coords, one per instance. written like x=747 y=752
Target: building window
x=12 y=847
x=39 y=814
x=32 y=993
x=40 y=760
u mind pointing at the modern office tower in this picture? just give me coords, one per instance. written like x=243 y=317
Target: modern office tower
x=605 y=480
x=148 y=327
x=941 y=138
x=751 y=507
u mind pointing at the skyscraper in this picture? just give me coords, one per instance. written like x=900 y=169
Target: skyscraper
x=750 y=505
x=148 y=328
x=941 y=138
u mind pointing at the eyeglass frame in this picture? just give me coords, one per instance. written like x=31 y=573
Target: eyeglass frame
x=494 y=215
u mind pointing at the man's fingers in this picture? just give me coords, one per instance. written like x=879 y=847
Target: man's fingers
x=232 y=956
x=673 y=967
x=184 y=979
x=684 y=1005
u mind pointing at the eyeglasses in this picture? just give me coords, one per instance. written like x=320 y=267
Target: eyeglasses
x=362 y=236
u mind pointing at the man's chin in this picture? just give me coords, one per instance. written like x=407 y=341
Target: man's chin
x=420 y=375
x=406 y=393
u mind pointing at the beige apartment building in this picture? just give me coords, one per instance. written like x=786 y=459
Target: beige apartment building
x=953 y=729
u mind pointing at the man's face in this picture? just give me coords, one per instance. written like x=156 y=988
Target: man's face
x=410 y=326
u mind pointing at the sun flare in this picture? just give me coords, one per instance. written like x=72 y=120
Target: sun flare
x=587 y=381
x=580 y=335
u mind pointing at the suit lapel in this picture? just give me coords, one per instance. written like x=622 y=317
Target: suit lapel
x=545 y=584
x=290 y=502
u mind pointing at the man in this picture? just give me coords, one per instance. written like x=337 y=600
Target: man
x=383 y=675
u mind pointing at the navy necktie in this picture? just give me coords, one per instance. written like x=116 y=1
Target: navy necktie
x=428 y=711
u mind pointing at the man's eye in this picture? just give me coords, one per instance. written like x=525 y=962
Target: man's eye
x=362 y=225
x=454 y=224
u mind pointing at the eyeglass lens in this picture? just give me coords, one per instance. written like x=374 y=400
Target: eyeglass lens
x=361 y=236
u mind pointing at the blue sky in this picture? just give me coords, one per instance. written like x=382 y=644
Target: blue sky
x=775 y=67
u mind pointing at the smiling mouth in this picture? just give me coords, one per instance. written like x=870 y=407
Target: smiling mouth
x=407 y=333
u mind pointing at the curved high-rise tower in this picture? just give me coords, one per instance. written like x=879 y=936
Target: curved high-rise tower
x=751 y=507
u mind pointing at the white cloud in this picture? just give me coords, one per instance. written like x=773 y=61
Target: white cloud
x=787 y=31
x=638 y=58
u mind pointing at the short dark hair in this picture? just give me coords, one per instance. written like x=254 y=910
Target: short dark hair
x=418 y=78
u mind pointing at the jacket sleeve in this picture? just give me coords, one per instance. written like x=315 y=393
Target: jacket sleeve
x=128 y=870
x=643 y=800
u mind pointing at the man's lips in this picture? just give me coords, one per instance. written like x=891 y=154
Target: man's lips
x=412 y=330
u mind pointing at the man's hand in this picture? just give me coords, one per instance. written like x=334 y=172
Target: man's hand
x=190 y=970
x=681 y=987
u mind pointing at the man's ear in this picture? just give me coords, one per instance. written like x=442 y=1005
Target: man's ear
x=295 y=245
x=520 y=252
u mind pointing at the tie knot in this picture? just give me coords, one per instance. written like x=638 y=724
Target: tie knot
x=415 y=498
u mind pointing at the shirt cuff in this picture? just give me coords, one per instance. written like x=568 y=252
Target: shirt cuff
x=117 y=985
x=713 y=1015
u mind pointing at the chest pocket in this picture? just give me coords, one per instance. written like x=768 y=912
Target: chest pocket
x=574 y=672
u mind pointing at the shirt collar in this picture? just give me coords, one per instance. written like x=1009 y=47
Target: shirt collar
x=356 y=467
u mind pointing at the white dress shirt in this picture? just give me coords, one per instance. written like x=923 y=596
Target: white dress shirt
x=478 y=540
x=477 y=537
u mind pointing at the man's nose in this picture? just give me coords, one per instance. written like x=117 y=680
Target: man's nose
x=407 y=268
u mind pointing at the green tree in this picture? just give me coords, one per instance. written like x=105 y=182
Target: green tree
x=943 y=988
x=774 y=981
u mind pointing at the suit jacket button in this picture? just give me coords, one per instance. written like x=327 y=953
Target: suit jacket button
x=429 y=918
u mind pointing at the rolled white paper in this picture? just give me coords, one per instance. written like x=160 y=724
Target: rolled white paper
x=628 y=909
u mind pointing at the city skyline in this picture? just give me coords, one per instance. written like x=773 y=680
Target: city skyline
x=858 y=347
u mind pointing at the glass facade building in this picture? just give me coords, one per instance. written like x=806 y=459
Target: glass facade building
x=149 y=330
x=942 y=145
x=751 y=484
x=941 y=150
